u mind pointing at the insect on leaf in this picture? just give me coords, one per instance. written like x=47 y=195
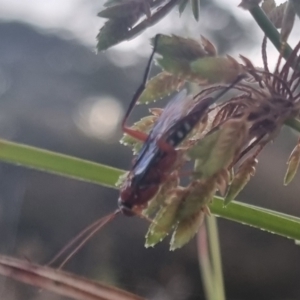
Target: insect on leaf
x=293 y=164
x=182 y=6
x=241 y=178
x=186 y=230
x=196 y=8
x=160 y=86
x=163 y=222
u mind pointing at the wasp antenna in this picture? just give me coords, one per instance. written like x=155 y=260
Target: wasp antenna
x=229 y=87
x=86 y=234
x=141 y=88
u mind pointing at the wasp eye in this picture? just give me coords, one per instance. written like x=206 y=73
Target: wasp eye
x=125 y=208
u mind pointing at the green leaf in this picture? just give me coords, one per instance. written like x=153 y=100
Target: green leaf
x=164 y=221
x=186 y=230
x=241 y=178
x=121 y=10
x=179 y=68
x=160 y=86
x=216 y=150
x=112 y=33
x=179 y=48
x=198 y=194
x=196 y=8
x=216 y=69
x=120 y=29
x=293 y=164
x=192 y=210
x=182 y=6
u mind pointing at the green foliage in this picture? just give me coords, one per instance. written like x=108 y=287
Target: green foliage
x=163 y=222
x=179 y=48
x=241 y=178
x=293 y=164
x=129 y=18
x=186 y=230
x=72 y=167
x=196 y=9
x=216 y=150
x=182 y=6
x=236 y=129
x=216 y=69
x=160 y=86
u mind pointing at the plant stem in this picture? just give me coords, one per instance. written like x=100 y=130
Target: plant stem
x=88 y=171
x=57 y=163
x=254 y=216
x=293 y=123
x=269 y=30
x=205 y=264
x=216 y=260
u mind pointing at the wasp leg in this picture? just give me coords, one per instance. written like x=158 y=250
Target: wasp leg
x=142 y=87
x=139 y=135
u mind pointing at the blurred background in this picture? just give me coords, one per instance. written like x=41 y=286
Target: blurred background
x=57 y=93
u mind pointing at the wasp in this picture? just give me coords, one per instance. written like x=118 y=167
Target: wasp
x=158 y=154
x=155 y=161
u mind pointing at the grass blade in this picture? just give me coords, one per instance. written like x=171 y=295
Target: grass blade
x=60 y=282
x=64 y=165
x=260 y=218
x=57 y=163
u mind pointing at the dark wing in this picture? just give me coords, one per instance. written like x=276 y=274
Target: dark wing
x=175 y=110
x=171 y=114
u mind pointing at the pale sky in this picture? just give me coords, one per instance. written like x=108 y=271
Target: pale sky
x=78 y=18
